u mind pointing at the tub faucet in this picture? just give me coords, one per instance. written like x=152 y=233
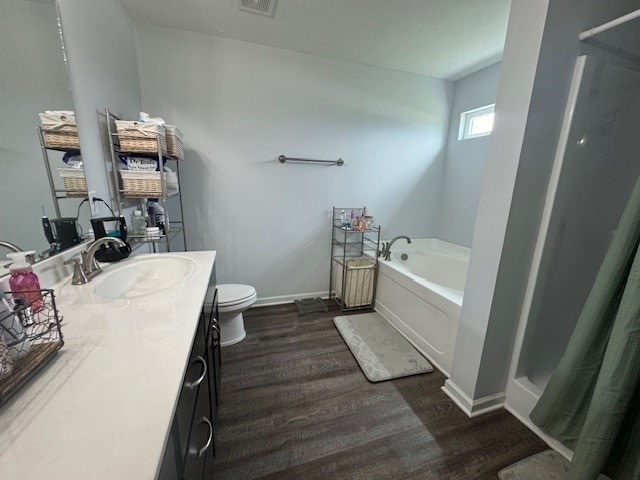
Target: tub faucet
x=386 y=247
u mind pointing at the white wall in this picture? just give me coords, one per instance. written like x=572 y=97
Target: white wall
x=100 y=43
x=519 y=64
x=241 y=105
x=33 y=79
x=465 y=159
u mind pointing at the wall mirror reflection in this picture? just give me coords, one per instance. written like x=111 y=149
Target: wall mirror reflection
x=35 y=80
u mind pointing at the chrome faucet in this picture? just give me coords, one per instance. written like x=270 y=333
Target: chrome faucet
x=86 y=269
x=386 y=247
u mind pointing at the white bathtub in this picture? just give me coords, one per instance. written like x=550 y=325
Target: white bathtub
x=422 y=295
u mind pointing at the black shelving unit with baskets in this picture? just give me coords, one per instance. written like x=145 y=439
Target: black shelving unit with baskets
x=353 y=274
x=144 y=185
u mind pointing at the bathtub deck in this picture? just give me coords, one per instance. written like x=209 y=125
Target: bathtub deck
x=295 y=405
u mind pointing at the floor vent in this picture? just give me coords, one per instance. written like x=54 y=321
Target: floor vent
x=261 y=7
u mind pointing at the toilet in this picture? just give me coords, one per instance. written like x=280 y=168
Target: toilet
x=233 y=299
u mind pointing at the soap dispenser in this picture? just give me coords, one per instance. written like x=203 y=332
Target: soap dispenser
x=23 y=282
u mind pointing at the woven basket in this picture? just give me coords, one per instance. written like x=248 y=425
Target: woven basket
x=174 y=141
x=140 y=137
x=141 y=184
x=64 y=137
x=175 y=147
x=74 y=181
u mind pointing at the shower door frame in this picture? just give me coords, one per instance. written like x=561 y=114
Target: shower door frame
x=521 y=393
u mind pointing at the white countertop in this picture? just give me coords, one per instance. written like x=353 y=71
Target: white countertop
x=103 y=406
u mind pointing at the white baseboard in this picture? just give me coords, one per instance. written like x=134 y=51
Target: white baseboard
x=552 y=442
x=473 y=408
x=279 y=300
x=522 y=396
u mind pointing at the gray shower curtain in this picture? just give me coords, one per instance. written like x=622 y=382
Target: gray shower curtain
x=592 y=401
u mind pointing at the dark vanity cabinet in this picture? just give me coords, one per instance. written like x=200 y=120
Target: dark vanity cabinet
x=190 y=449
x=213 y=349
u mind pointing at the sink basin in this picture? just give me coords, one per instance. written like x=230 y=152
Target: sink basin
x=142 y=276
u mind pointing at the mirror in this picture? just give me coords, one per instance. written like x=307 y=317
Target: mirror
x=34 y=79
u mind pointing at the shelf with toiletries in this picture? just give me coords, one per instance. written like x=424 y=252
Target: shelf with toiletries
x=355 y=242
x=141 y=152
x=353 y=275
x=129 y=194
x=60 y=148
x=356 y=238
x=58 y=132
x=156 y=237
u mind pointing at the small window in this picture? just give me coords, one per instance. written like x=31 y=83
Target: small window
x=476 y=123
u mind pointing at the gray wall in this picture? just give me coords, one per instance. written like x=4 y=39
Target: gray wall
x=103 y=68
x=33 y=79
x=465 y=159
x=240 y=105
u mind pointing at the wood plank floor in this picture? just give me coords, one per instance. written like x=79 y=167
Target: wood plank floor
x=295 y=405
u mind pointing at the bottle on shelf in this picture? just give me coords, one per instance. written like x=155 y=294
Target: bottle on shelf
x=151 y=212
x=138 y=223
x=368 y=222
x=23 y=282
x=157 y=216
x=343 y=219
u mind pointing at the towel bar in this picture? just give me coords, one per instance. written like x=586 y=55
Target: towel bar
x=284 y=159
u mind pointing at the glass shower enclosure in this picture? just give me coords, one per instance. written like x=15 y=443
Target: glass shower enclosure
x=597 y=164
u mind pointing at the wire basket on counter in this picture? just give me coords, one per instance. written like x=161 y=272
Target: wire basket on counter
x=30 y=335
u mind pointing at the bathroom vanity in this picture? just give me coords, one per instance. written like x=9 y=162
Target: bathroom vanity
x=133 y=392
x=190 y=448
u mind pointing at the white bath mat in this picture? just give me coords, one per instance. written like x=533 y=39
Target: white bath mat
x=380 y=350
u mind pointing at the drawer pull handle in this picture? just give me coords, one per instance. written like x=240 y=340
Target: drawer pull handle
x=216 y=327
x=195 y=383
x=209 y=440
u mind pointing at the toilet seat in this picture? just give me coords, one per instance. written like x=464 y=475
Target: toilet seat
x=233 y=295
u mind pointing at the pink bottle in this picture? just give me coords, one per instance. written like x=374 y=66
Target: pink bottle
x=23 y=282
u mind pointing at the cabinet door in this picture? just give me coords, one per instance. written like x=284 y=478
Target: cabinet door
x=197 y=373
x=201 y=436
x=213 y=350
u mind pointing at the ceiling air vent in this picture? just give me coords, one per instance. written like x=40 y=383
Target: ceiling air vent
x=261 y=7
